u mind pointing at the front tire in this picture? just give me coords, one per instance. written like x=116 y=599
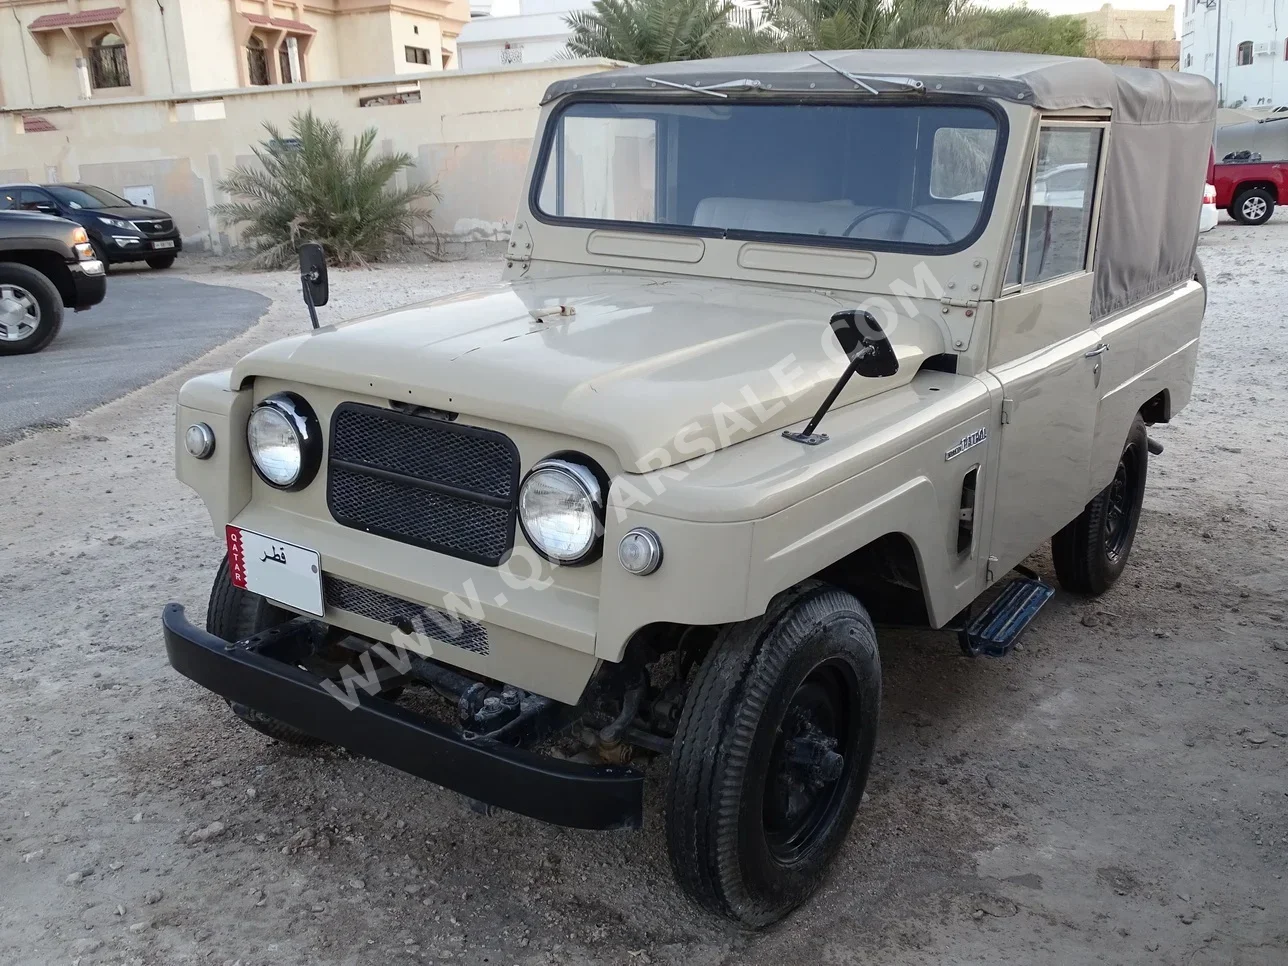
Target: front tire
x=772 y=755
x=161 y=262
x=31 y=310
x=234 y=615
x=1091 y=552
x=1253 y=207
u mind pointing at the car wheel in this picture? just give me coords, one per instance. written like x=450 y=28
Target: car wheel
x=234 y=615
x=1254 y=206
x=1090 y=553
x=772 y=754
x=100 y=255
x=31 y=310
x=161 y=261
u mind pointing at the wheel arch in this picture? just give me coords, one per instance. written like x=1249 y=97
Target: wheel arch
x=49 y=264
x=1245 y=186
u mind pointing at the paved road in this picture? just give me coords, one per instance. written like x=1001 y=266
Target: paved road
x=150 y=324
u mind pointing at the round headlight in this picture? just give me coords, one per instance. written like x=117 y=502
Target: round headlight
x=561 y=511
x=285 y=441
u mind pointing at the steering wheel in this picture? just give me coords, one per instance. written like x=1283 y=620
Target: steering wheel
x=910 y=212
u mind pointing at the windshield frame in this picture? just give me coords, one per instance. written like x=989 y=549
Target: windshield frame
x=858 y=243
x=54 y=190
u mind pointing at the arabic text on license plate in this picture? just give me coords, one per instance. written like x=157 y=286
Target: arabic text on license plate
x=274 y=569
x=163 y=244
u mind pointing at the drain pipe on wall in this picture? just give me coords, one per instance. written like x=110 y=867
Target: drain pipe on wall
x=165 y=39
x=31 y=91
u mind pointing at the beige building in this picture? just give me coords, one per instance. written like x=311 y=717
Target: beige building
x=1136 y=38
x=58 y=52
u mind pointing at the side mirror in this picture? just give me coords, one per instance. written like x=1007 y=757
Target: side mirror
x=864 y=342
x=313 y=274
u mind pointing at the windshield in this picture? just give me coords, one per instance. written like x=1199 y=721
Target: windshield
x=86 y=196
x=892 y=176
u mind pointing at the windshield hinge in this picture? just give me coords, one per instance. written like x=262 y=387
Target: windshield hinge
x=519 y=251
x=959 y=303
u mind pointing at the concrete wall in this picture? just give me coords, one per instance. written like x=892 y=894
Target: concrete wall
x=471 y=133
x=1113 y=23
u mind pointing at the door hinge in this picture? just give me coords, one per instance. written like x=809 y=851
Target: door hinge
x=519 y=251
x=950 y=302
x=988 y=571
x=1008 y=409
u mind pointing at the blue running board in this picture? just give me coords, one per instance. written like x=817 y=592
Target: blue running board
x=994 y=632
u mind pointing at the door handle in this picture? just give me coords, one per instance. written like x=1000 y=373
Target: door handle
x=1099 y=350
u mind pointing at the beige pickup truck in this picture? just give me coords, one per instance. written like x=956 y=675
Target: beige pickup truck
x=787 y=347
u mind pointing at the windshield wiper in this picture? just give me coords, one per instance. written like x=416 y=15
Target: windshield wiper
x=743 y=84
x=907 y=83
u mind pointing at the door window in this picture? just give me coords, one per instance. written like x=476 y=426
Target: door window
x=1053 y=235
x=31 y=200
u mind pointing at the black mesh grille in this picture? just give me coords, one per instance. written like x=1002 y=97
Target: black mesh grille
x=434 y=624
x=423 y=482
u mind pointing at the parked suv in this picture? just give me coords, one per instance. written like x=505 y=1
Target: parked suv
x=654 y=492
x=118 y=230
x=46 y=265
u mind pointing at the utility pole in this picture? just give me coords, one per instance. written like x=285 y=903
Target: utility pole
x=1220 y=100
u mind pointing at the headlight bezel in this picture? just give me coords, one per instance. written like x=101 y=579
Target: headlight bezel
x=118 y=223
x=308 y=435
x=593 y=482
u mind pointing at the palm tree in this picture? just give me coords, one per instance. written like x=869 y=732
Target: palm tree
x=649 y=31
x=312 y=187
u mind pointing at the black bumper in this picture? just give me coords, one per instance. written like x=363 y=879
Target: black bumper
x=89 y=289
x=141 y=250
x=550 y=789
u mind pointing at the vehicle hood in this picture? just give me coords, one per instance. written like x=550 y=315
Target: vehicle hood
x=639 y=364
x=130 y=213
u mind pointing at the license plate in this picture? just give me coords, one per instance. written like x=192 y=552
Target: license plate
x=163 y=244
x=275 y=569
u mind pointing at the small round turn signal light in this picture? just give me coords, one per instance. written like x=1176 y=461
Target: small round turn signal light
x=199 y=439
x=640 y=552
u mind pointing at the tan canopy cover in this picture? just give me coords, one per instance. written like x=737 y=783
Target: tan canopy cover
x=1162 y=126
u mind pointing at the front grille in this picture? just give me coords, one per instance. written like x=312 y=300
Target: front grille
x=160 y=226
x=423 y=481
x=435 y=624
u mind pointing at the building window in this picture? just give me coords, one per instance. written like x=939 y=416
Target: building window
x=1189 y=60
x=417 y=55
x=1245 y=53
x=512 y=54
x=107 y=64
x=284 y=62
x=257 y=61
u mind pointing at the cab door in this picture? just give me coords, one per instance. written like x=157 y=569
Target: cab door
x=1043 y=350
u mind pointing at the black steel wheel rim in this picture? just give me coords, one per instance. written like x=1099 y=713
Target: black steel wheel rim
x=812 y=760
x=1119 y=505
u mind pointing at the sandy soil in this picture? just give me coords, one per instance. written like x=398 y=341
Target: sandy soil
x=1114 y=792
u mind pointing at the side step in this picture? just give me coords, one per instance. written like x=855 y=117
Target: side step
x=994 y=632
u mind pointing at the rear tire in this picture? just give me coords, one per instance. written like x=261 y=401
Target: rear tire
x=161 y=262
x=1091 y=552
x=1253 y=207
x=31 y=310
x=234 y=615
x=772 y=755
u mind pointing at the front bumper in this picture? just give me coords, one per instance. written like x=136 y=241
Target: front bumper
x=550 y=789
x=89 y=282
x=120 y=247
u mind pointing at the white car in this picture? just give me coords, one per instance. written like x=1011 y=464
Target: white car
x=1207 y=214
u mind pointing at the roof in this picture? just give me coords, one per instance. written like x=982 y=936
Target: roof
x=1053 y=83
x=34 y=123
x=294 y=26
x=85 y=18
x=516 y=30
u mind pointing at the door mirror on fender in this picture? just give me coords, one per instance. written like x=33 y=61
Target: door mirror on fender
x=864 y=341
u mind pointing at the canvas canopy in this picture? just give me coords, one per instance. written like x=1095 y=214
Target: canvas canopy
x=1161 y=131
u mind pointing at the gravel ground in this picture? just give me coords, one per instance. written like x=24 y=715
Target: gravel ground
x=1113 y=792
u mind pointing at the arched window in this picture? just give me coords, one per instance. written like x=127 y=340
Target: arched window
x=257 y=61
x=108 y=66
x=1245 y=53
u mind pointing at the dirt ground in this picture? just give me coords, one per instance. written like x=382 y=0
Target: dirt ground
x=1114 y=792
